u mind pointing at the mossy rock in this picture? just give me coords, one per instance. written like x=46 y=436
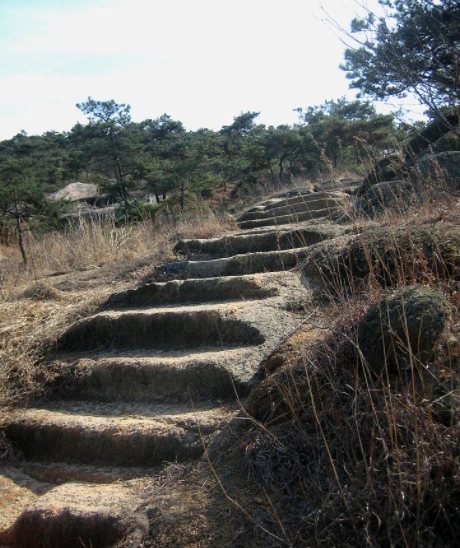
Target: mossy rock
x=389 y=256
x=389 y=168
x=391 y=194
x=441 y=170
x=403 y=329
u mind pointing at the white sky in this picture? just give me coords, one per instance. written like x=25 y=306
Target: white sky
x=200 y=61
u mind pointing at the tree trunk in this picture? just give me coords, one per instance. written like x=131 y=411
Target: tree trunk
x=155 y=191
x=182 y=196
x=20 y=234
x=281 y=171
x=120 y=182
x=272 y=175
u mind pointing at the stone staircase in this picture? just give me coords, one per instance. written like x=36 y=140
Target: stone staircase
x=161 y=371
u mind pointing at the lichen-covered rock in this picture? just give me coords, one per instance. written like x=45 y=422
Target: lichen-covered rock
x=389 y=194
x=404 y=328
x=389 y=168
x=442 y=170
x=387 y=255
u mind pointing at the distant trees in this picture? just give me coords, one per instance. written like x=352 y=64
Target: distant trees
x=110 y=140
x=160 y=139
x=347 y=131
x=28 y=168
x=415 y=48
x=190 y=162
x=160 y=157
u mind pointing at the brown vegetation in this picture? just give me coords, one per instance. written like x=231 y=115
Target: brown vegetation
x=70 y=274
x=355 y=453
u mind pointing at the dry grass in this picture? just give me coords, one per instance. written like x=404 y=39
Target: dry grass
x=86 y=244
x=36 y=307
x=354 y=458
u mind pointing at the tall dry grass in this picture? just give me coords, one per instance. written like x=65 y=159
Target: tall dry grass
x=347 y=456
x=91 y=244
x=36 y=307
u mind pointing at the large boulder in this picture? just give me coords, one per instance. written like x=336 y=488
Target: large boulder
x=391 y=194
x=404 y=329
x=76 y=192
x=440 y=171
x=389 y=168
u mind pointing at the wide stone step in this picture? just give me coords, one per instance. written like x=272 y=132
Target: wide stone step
x=294 y=197
x=18 y=491
x=327 y=213
x=55 y=473
x=267 y=240
x=291 y=209
x=173 y=376
x=79 y=514
x=305 y=198
x=115 y=434
x=249 y=263
x=290 y=197
x=164 y=328
x=193 y=291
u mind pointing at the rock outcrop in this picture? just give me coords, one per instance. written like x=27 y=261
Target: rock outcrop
x=402 y=329
x=421 y=169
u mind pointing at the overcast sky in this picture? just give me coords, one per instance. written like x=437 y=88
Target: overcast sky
x=200 y=61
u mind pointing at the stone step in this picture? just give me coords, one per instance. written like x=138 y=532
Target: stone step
x=262 y=240
x=150 y=366
x=162 y=328
x=299 y=207
x=18 y=491
x=306 y=198
x=294 y=197
x=172 y=376
x=57 y=473
x=326 y=214
x=79 y=514
x=115 y=434
x=194 y=291
x=237 y=265
x=285 y=198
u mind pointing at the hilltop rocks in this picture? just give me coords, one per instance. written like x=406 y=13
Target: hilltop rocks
x=430 y=175
x=86 y=203
x=433 y=132
x=402 y=329
x=413 y=171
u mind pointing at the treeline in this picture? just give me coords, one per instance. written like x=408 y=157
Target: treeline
x=161 y=158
